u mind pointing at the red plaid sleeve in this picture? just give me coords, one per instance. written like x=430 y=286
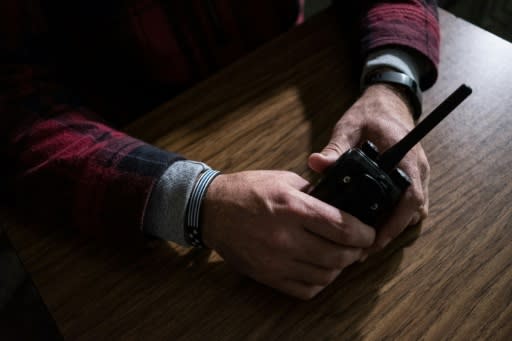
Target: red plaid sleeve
x=63 y=161
x=67 y=163
x=412 y=24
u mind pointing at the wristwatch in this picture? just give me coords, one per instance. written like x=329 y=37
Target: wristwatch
x=404 y=82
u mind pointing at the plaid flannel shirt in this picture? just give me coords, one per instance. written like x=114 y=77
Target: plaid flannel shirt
x=61 y=160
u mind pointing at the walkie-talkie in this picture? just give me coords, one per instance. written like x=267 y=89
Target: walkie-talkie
x=368 y=184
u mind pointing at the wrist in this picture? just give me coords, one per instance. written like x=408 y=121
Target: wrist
x=394 y=99
x=209 y=209
x=403 y=86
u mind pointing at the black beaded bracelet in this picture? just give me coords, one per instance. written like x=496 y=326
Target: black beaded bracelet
x=412 y=90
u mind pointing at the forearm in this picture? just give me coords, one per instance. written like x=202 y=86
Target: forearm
x=83 y=173
x=64 y=163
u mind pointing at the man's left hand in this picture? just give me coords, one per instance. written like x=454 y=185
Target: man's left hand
x=382 y=116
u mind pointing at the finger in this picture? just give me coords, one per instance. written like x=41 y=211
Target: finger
x=417 y=166
x=401 y=217
x=425 y=208
x=423 y=170
x=317 y=251
x=319 y=162
x=294 y=180
x=421 y=209
x=311 y=274
x=341 y=140
x=412 y=207
x=332 y=224
x=351 y=232
x=426 y=182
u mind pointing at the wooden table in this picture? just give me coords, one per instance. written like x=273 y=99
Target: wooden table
x=451 y=279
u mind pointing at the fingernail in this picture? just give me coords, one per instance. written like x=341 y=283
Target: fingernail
x=329 y=155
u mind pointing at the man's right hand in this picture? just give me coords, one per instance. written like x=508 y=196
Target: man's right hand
x=263 y=224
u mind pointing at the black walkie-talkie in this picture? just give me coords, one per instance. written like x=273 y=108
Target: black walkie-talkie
x=368 y=184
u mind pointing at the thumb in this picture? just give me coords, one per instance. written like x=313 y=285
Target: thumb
x=319 y=162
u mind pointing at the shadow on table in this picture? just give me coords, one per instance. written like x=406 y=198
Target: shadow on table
x=146 y=289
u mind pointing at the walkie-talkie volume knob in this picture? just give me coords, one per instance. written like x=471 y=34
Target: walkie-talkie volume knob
x=370 y=150
x=400 y=179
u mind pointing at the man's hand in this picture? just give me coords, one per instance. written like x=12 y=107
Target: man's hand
x=382 y=116
x=264 y=224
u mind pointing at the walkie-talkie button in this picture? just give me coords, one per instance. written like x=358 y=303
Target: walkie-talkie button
x=401 y=179
x=372 y=194
x=372 y=186
x=370 y=150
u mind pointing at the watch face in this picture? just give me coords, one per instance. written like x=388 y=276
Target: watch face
x=23 y=315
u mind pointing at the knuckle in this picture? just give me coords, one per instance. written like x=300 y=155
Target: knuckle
x=282 y=198
x=305 y=295
x=325 y=260
x=424 y=171
x=342 y=233
x=342 y=259
x=326 y=277
x=332 y=276
x=280 y=239
x=294 y=176
x=335 y=146
x=265 y=265
x=348 y=233
x=288 y=176
x=285 y=197
x=310 y=292
x=293 y=205
x=340 y=126
x=416 y=196
x=383 y=242
x=425 y=167
x=424 y=211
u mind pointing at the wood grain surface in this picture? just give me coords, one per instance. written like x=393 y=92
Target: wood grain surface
x=450 y=278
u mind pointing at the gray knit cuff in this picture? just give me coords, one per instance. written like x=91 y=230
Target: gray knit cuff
x=165 y=215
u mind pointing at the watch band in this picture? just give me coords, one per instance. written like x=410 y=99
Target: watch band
x=406 y=82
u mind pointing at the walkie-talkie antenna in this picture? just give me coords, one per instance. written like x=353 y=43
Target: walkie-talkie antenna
x=391 y=157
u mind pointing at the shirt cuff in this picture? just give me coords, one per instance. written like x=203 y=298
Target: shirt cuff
x=167 y=207
x=395 y=58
